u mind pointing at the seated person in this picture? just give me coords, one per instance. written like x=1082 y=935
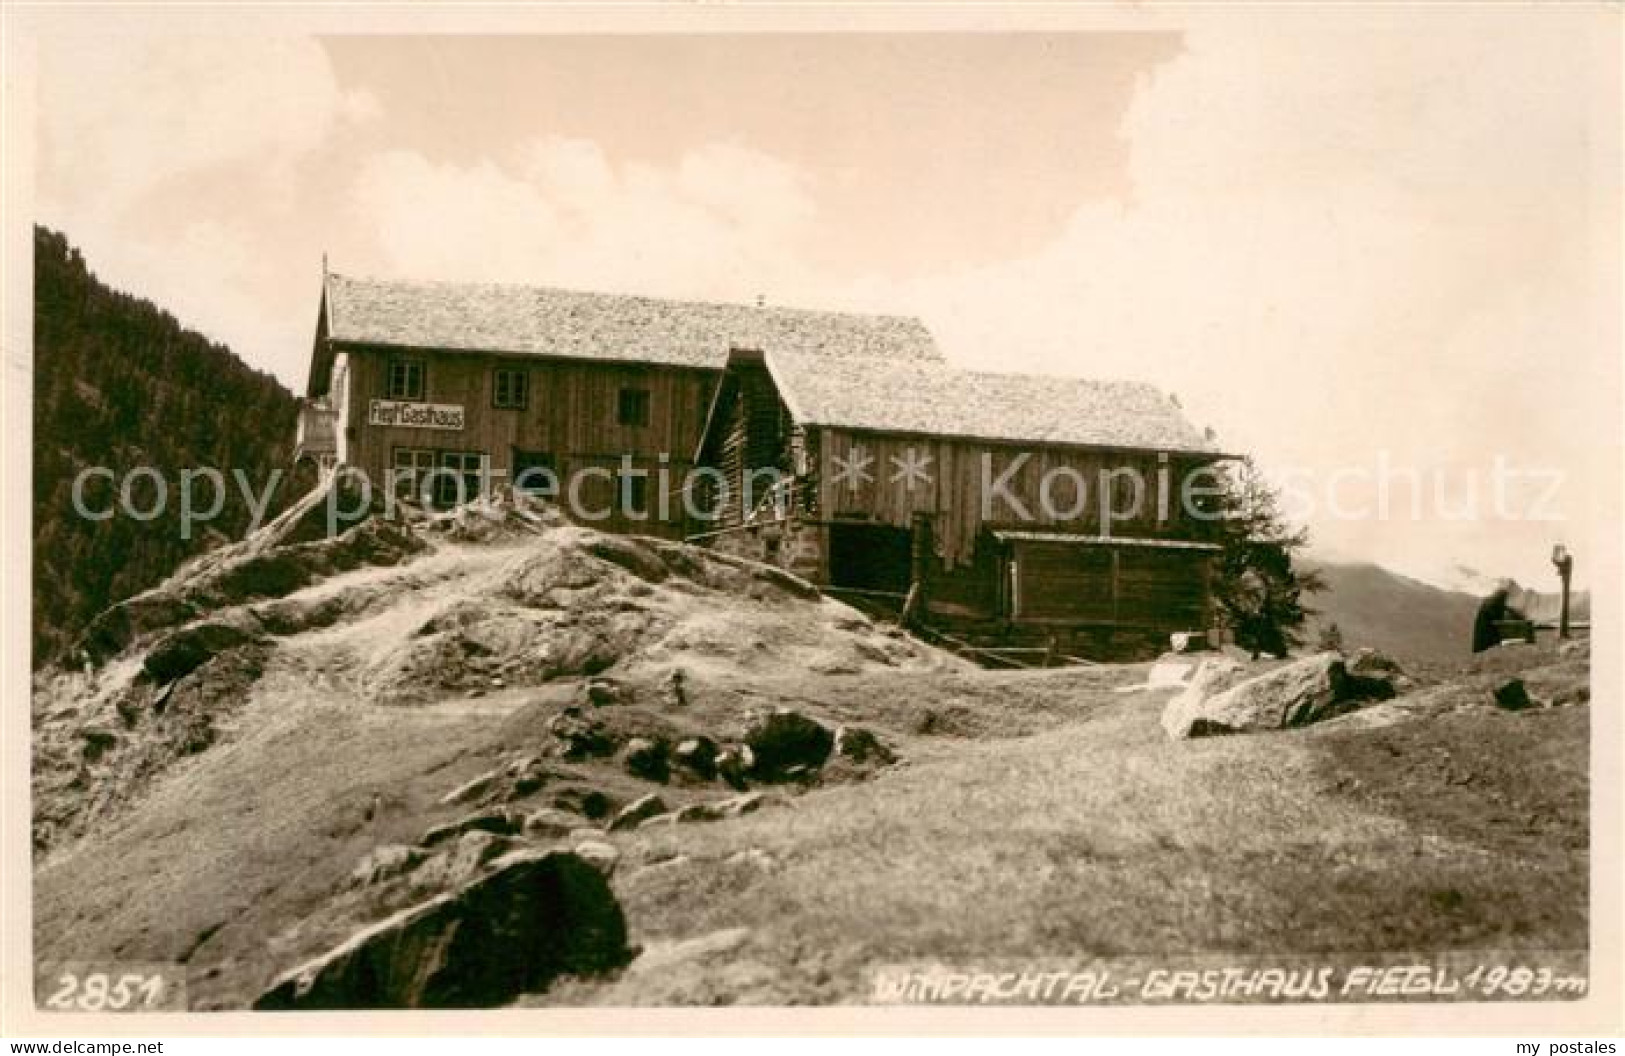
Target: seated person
x=1491 y=611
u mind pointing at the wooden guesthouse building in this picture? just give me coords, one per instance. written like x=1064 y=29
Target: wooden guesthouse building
x=990 y=507
x=418 y=383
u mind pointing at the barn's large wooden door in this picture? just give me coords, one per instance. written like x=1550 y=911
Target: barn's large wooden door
x=870 y=557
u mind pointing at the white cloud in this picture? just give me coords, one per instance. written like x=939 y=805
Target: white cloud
x=720 y=222
x=1334 y=246
x=121 y=115
x=174 y=163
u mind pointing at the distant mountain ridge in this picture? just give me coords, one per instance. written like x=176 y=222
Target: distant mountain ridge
x=120 y=383
x=1401 y=616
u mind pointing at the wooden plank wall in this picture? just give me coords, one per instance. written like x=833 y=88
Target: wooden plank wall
x=572 y=414
x=1124 y=585
x=955 y=492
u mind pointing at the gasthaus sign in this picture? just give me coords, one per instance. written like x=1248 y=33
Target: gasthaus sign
x=415 y=415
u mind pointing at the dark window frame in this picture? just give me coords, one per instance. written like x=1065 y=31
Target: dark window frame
x=633 y=407
x=405 y=389
x=508 y=398
x=413 y=487
x=445 y=492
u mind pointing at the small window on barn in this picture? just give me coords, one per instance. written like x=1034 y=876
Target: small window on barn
x=511 y=388
x=634 y=407
x=405 y=379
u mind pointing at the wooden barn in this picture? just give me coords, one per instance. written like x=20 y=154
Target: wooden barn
x=1013 y=513
x=432 y=386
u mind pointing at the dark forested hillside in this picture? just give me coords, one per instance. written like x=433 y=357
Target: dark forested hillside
x=118 y=382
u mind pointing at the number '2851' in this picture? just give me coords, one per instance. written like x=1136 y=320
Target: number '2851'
x=106 y=991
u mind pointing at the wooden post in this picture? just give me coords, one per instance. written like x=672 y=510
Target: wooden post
x=1565 y=568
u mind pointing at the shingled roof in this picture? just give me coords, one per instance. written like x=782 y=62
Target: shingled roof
x=932 y=399
x=543 y=321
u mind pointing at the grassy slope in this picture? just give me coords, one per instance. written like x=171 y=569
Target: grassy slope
x=1101 y=838
x=1050 y=818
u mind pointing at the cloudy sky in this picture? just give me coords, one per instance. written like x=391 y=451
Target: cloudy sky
x=1343 y=245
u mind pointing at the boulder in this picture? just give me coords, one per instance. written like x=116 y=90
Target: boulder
x=579 y=736
x=646 y=757
x=749 y=803
x=599 y=854
x=181 y=652
x=698 y=812
x=550 y=823
x=523 y=764
x=696 y=756
x=634 y=813
x=1212 y=676
x=528 y=777
x=533 y=917
x=584 y=800
x=1380 y=675
x=460 y=861
x=604 y=692
x=784 y=739
x=386 y=863
x=734 y=764
x=1513 y=695
x=499 y=822
x=861 y=746
x=476 y=788
x=1294 y=694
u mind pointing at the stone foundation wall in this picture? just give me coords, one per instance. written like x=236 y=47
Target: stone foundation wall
x=795 y=546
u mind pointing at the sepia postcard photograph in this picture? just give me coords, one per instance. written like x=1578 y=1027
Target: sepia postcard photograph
x=1078 y=519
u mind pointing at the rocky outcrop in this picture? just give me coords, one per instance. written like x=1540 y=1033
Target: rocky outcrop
x=696 y=757
x=551 y=823
x=647 y=757
x=585 y=800
x=734 y=764
x=1219 y=701
x=638 y=811
x=498 y=822
x=604 y=693
x=533 y=917
x=181 y=652
x=459 y=861
x=1512 y=695
x=861 y=746
x=386 y=863
x=579 y=735
x=784 y=740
